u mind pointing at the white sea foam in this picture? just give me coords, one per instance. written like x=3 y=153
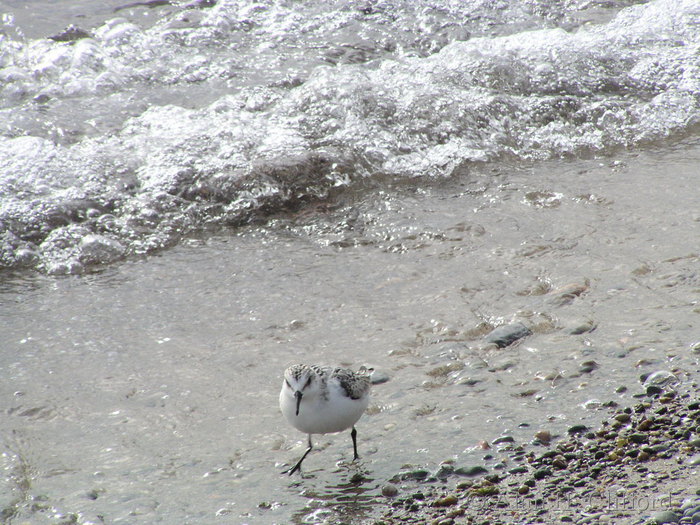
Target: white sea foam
x=212 y=114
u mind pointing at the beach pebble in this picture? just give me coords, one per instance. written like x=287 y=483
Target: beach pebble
x=577 y=429
x=694 y=460
x=444 y=471
x=507 y=334
x=544 y=436
x=580 y=326
x=566 y=294
x=503 y=439
x=560 y=462
x=377 y=377
x=659 y=378
x=638 y=438
x=389 y=490
x=471 y=471
x=664 y=516
x=446 y=501
x=542 y=473
x=587 y=367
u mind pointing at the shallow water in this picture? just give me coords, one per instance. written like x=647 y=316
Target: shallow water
x=194 y=196
x=147 y=392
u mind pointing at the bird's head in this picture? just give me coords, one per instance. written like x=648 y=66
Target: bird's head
x=300 y=382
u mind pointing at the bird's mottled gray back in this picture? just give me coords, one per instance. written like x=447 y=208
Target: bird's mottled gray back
x=355 y=384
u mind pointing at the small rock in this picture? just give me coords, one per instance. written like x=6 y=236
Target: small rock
x=390 y=490
x=653 y=390
x=645 y=424
x=507 y=334
x=71 y=34
x=444 y=471
x=470 y=472
x=577 y=429
x=542 y=473
x=694 y=460
x=587 y=367
x=446 y=501
x=524 y=489
x=638 y=438
x=623 y=418
x=581 y=326
x=418 y=474
x=503 y=439
x=660 y=378
x=544 y=436
x=690 y=505
x=566 y=294
x=560 y=462
x=665 y=516
x=378 y=377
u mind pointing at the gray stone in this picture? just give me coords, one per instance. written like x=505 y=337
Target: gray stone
x=417 y=474
x=577 y=429
x=503 y=439
x=660 y=378
x=471 y=471
x=507 y=334
x=588 y=366
x=665 y=516
x=542 y=473
x=377 y=377
x=389 y=490
x=690 y=504
x=444 y=471
x=638 y=438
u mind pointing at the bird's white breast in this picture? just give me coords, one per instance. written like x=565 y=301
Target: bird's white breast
x=320 y=414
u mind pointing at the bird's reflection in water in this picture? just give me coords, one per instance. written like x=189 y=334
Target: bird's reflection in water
x=348 y=502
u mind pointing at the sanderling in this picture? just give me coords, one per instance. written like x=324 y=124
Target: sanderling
x=322 y=400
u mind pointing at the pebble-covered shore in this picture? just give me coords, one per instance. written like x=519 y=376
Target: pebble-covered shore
x=642 y=466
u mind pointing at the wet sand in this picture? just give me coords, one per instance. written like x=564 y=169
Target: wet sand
x=147 y=392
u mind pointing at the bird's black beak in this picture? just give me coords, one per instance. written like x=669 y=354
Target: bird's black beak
x=298 y=395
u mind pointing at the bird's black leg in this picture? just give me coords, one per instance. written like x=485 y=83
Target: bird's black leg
x=353 y=433
x=298 y=465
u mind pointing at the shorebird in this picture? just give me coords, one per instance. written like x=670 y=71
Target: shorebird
x=323 y=400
